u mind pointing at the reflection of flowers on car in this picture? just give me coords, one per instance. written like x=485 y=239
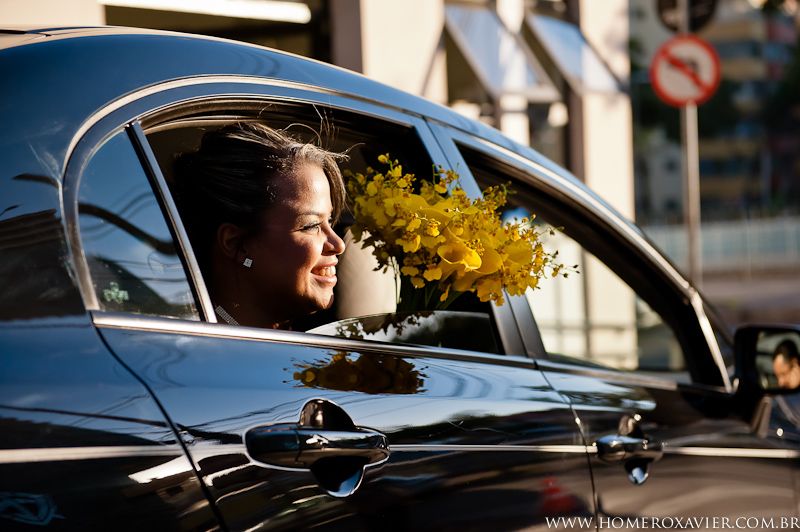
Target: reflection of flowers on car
x=367 y=373
x=442 y=242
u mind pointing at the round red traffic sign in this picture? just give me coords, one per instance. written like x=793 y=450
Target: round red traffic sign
x=685 y=70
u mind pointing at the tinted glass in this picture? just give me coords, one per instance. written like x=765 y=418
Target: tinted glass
x=128 y=245
x=594 y=316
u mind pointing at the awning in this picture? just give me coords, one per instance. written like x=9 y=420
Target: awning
x=577 y=61
x=499 y=59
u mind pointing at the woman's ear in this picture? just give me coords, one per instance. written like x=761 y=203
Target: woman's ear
x=231 y=241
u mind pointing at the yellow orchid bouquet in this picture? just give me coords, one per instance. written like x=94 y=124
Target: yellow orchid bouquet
x=442 y=242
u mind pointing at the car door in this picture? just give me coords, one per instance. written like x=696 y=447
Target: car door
x=628 y=343
x=291 y=430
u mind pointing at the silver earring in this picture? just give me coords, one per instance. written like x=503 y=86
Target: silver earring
x=247 y=262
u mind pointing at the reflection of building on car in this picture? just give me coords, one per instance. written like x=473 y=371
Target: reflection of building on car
x=119 y=377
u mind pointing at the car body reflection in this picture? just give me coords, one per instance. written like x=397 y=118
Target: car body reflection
x=371 y=374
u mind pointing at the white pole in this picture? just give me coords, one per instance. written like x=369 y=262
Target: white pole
x=691 y=171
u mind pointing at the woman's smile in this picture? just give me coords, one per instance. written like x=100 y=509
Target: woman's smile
x=325 y=273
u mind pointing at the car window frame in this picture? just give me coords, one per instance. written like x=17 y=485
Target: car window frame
x=147 y=107
x=566 y=188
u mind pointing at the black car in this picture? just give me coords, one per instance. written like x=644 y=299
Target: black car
x=609 y=397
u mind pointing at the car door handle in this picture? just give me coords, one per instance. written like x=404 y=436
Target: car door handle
x=324 y=441
x=636 y=454
x=287 y=445
x=616 y=448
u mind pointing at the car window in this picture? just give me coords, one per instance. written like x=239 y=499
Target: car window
x=365 y=303
x=128 y=246
x=596 y=316
x=593 y=316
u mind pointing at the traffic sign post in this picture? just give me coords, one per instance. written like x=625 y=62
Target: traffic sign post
x=685 y=72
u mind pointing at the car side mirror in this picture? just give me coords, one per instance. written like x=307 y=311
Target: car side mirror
x=767 y=358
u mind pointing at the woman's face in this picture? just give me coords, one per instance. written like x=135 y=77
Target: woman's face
x=296 y=251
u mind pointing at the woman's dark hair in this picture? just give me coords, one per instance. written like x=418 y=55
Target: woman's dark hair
x=233 y=178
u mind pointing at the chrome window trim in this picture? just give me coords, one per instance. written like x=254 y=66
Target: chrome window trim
x=708 y=331
x=131 y=322
x=60 y=454
x=201 y=452
x=216 y=80
x=571 y=188
x=566 y=449
x=174 y=219
x=733 y=452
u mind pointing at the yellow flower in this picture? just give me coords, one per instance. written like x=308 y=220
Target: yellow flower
x=433 y=273
x=418 y=282
x=458 y=257
x=432 y=242
x=489 y=288
x=491 y=261
x=432 y=228
x=410 y=245
x=409 y=270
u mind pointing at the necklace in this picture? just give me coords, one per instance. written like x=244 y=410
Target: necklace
x=222 y=313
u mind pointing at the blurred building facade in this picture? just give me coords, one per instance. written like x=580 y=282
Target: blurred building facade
x=748 y=163
x=749 y=157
